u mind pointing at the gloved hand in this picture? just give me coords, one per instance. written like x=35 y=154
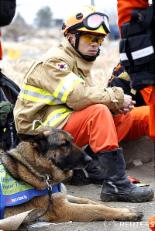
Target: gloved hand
x=128 y=104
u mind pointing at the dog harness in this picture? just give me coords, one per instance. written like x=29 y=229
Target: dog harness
x=13 y=192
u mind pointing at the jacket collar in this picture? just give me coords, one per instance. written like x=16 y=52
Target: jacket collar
x=81 y=63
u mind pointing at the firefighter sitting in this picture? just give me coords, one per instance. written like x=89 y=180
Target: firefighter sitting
x=58 y=91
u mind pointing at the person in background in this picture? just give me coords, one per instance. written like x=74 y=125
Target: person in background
x=7 y=128
x=58 y=91
x=7 y=12
x=139 y=17
x=136 y=20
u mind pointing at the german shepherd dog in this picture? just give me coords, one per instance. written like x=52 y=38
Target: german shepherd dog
x=49 y=158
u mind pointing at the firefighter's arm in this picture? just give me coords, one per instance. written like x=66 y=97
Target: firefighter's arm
x=82 y=96
x=125 y=8
x=70 y=89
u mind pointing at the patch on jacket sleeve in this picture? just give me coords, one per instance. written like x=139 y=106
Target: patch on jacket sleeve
x=62 y=66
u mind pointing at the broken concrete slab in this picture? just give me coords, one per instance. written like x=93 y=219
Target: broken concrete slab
x=138 y=152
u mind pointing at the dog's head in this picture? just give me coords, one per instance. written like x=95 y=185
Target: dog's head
x=57 y=146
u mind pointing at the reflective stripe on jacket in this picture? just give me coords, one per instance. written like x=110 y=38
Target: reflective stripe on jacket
x=59 y=96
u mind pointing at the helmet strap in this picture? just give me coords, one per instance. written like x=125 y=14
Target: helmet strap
x=77 y=39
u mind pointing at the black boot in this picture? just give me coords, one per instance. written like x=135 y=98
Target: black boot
x=93 y=173
x=116 y=186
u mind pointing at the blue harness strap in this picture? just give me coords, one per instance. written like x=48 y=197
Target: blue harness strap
x=13 y=192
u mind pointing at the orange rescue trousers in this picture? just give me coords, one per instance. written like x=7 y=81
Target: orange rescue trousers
x=96 y=126
x=148 y=94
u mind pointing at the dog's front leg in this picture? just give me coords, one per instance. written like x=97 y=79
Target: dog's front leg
x=80 y=200
x=99 y=212
x=63 y=210
x=90 y=212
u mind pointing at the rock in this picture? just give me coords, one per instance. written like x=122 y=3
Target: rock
x=138 y=151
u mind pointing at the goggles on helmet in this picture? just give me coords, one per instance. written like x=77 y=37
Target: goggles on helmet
x=90 y=38
x=93 y=22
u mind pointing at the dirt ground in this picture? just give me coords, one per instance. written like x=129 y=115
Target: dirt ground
x=93 y=192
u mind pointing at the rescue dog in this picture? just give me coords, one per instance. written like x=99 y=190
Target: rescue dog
x=49 y=158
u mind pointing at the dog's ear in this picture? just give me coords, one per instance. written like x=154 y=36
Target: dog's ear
x=38 y=141
x=58 y=138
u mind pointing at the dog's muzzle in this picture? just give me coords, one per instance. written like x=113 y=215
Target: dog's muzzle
x=74 y=161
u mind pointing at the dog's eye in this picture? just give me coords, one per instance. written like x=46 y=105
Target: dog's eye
x=52 y=155
x=65 y=144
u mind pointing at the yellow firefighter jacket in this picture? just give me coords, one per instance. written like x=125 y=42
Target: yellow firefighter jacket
x=56 y=86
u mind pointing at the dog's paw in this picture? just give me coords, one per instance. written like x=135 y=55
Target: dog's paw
x=131 y=215
x=138 y=216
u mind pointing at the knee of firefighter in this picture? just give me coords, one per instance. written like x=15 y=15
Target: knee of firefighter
x=99 y=108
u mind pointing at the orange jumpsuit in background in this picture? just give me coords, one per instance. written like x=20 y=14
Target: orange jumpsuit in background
x=125 y=8
x=96 y=126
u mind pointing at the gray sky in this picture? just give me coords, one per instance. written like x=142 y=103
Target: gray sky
x=60 y=8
